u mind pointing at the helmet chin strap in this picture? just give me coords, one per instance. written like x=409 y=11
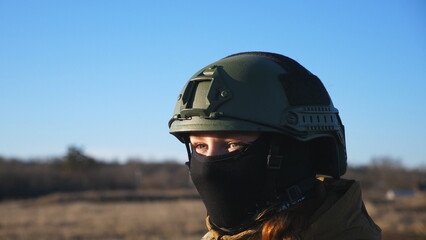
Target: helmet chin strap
x=188 y=151
x=290 y=195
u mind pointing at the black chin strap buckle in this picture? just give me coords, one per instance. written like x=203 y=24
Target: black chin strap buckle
x=275 y=157
x=297 y=193
x=274 y=161
x=294 y=194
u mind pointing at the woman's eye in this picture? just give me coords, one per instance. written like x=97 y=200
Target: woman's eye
x=235 y=146
x=200 y=146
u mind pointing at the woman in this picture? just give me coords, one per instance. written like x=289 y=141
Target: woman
x=259 y=128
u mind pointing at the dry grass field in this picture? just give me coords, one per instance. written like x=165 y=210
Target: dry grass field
x=403 y=218
x=84 y=217
x=87 y=216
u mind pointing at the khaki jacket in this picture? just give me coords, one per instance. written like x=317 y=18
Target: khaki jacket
x=342 y=216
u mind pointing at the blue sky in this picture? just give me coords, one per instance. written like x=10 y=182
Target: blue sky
x=104 y=75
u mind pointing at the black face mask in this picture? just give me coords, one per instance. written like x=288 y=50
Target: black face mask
x=231 y=185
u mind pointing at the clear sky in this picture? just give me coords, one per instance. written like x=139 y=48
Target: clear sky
x=104 y=75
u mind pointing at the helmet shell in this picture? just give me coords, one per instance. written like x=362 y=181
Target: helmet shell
x=262 y=92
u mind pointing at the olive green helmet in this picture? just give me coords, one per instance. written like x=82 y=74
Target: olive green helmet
x=263 y=92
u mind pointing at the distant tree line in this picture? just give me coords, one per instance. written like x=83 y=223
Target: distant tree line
x=386 y=173
x=77 y=171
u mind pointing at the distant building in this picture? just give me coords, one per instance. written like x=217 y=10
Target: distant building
x=392 y=194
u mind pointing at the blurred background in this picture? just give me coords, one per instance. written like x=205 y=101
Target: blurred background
x=87 y=89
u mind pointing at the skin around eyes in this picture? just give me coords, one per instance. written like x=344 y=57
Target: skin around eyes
x=202 y=147
x=219 y=143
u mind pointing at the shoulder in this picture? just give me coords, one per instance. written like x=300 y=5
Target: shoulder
x=343 y=215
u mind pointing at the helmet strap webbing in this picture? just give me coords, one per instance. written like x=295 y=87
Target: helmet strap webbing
x=274 y=162
x=290 y=195
x=188 y=151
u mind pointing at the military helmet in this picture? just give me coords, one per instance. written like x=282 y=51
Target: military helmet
x=263 y=92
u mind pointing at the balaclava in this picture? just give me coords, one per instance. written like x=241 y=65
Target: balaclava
x=236 y=186
x=231 y=185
